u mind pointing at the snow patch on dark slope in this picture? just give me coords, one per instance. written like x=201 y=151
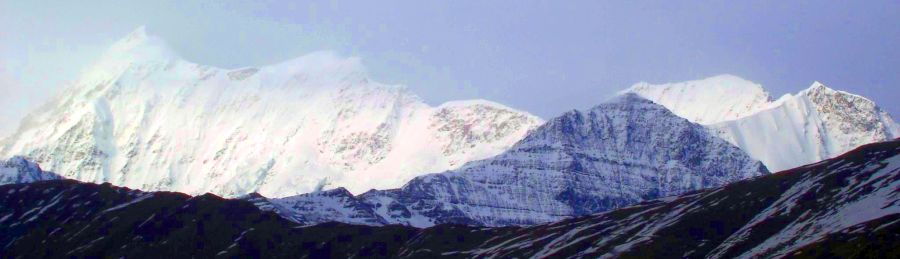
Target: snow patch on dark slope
x=583 y=162
x=839 y=208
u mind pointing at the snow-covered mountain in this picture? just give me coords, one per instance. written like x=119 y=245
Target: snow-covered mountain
x=813 y=125
x=807 y=127
x=144 y=118
x=19 y=170
x=707 y=101
x=613 y=155
x=321 y=206
x=846 y=207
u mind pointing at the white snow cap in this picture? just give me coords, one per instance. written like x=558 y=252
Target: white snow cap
x=707 y=101
x=144 y=118
x=139 y=44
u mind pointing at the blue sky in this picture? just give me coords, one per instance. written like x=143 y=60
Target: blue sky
x=544 y=57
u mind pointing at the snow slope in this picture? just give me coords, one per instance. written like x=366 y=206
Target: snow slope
x=812 y=125
x=583 y=162
x=144 y=118
x=707 y=101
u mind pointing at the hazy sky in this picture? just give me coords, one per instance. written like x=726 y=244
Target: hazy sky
x=544 y=57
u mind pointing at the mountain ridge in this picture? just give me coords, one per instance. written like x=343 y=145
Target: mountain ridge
x=279 y=130
x=723 y=97
x=107 y=221
x=620 y=152
x=811 y=125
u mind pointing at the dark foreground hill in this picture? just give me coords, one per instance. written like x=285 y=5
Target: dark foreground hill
x=848 y=206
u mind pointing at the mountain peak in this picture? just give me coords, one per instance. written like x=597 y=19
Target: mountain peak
x=314 y=117
x=727 y=77
x=336 y=192
x=138 y=44
x=726 y=81
x=18 y=169
x=819 y=87
x=709 y=100
x=629 y=98
x=139 y=33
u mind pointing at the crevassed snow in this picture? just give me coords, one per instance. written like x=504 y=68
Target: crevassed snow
x=144 y=118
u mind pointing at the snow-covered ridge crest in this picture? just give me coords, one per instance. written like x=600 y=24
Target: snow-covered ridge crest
x=139 y=42
x=706 y=101
x=814 y=124
x=144 y=118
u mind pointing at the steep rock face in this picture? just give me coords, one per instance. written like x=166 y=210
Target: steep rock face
x=19 y=170
x=613 y=155
x=144 y=118
x=813 y=125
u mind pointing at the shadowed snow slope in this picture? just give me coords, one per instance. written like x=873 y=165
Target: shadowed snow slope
x=142 y=117
x=583 y=162
x=812 y=125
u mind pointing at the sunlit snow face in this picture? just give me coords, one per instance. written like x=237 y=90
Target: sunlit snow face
x=144 y=118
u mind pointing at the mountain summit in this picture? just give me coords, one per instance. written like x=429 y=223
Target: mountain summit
x=796 y=129
x=144 y=118
x=707 y=101
x=583 y=162
x=815 y=124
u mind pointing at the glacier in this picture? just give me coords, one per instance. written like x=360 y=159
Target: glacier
x=797 y=129
x=144 y=118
